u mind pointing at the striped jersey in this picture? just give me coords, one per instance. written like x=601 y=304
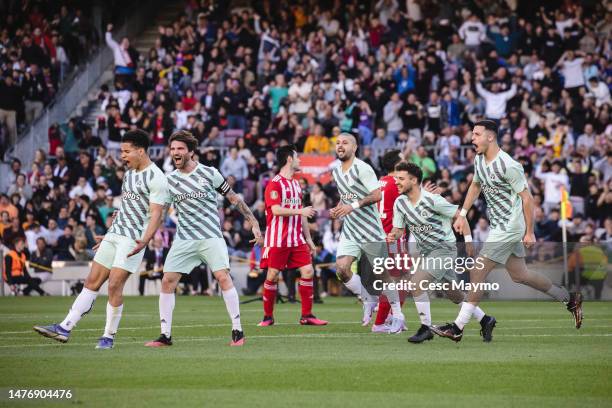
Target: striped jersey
x=194 y=197
x=284 y=232
x=362 y=224
x=429 y=221
x=138 y=191
x=501 y=181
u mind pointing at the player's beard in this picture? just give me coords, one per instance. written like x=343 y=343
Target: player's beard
x=347 y=156
x=184 y=159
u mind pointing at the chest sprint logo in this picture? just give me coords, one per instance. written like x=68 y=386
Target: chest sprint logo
x=128 y=195
x=194 y=194
x=490 y=190
x=420 y=228
x=348 y=196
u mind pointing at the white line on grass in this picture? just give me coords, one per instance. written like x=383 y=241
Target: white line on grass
x=284 y=336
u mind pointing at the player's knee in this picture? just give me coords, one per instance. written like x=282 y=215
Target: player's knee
x=344 y=273
x=114 y=287
x=272 y=275
x=519 y=278
x=224 y=279
x=307 y=273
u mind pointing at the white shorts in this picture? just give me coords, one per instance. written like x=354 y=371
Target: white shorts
x=184 y=255
x=113 y=252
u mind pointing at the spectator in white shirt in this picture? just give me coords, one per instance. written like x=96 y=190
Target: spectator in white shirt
x=571 y=69
x=495 y=101
x=553 y=180
x=81 y=188
x=473 y=32
x=599 y=90
x=299 y=95
x=124 y=56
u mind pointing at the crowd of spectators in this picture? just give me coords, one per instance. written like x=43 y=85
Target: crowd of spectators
x=411 y=75
x=40 y=43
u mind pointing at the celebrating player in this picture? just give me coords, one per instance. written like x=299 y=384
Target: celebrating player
x=503 y=182
x=288 y=244
x=362 y=230
x=193 y=190
x=144 y=194
x=428 y=217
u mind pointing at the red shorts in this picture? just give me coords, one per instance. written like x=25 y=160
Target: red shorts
x=286 y=258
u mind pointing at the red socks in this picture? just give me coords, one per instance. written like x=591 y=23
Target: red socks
x=384 y=307
x=306 y=294
x=269 y=297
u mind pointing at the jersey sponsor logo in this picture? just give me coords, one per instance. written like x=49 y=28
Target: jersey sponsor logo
x=490 y=190
x=194 y=194
x=420 y=228
x=292 y=201
x=348 y=196
x=128 y=195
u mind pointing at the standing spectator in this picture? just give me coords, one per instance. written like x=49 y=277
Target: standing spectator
x=235 y=166
x=317 y=142
x=496 y=100
x=299 y=95
x=472 y=32
x=553 y=180
x=42 y=256
x=10 y=103
x=392 y=117
x=571 y=69
x=125 y=57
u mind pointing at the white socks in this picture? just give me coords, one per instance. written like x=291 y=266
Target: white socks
x=113 y=317
x=232 y=303
x=467 y=309
x=423 y=308
x=81 y=306
x=478 y=313
x=166 y=307
x=559 y=293
x=354 y=284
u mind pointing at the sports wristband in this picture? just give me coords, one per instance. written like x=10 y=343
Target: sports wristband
x=467 y=238
x=355 y=205
x=463 y=212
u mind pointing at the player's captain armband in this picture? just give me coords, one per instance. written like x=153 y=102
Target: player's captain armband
x=224 y=188
x=463 y=212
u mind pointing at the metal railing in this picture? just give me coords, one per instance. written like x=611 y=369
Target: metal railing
x=71 y=95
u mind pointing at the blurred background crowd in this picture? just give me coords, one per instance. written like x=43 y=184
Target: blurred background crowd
x=411 y=75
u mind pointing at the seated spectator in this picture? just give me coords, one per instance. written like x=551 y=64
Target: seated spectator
x=15 y=271
x=41 y=260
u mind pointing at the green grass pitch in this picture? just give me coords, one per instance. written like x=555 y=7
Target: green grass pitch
x=536 y=358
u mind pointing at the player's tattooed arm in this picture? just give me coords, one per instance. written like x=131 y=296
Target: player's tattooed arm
x=244 y=209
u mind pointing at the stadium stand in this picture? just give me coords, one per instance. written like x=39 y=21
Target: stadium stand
x=245 y=80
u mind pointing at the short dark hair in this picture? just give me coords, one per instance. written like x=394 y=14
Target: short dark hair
x=411 y=168
x=389 y=160
x=283 y=153
x=185 y=137
x=138 y=138
x=488 y=125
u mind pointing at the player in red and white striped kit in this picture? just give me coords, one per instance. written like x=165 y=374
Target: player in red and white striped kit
x=385 y=208
x=287 y=244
